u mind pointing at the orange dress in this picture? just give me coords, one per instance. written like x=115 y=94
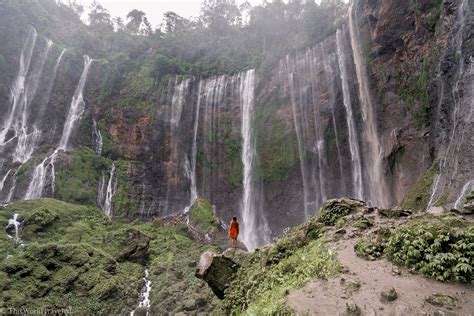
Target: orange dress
x=234 y=230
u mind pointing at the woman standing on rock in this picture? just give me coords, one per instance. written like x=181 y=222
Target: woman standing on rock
x=234 y=231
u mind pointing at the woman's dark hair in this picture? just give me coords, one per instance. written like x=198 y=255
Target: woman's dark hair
x=234 y=218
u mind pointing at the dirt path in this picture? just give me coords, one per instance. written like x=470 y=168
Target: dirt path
x=362 y=282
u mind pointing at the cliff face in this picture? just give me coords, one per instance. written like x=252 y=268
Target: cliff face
x=364 y=113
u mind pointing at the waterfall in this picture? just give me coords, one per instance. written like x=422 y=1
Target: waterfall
x=38 y=180
x=191 y=166
x=144 y=295
x=16 y=225
x=2 y=182
x=450 y=158
x=111 y=189
x=101 y=191
x=98 y=138
x=49 y=86
x=468 y=187
x=305 y=172
x=77 y=106
x=253 y=230
x=194 y=193
x=329 y=65
x=27 y=141
x=17 y=93
x=353 y=142
x=377 y=184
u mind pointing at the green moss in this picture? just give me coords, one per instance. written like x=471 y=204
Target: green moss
x=363 y=223
x=78 y=181
x=415 y=91
x=440 y=247
x=372 y=246
x=83 y=260
x=202 y=217
x=418 y=197
x=275 y=143
x=23 y=170
x=330 y=214
x=470 y=197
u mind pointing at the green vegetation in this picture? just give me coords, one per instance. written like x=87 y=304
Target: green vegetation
x=78 y=181
x=275 y=142
x=74 y=256
x=232 y=152
x=438 y=247
x=372 y=246
x=470 y=197
x=329 y=214
x=201 y=216
x=418 y=197
x=266 y=276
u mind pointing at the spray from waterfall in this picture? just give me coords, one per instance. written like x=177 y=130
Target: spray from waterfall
x=377 y=183
x=358 y=188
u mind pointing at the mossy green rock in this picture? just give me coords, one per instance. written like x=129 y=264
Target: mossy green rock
x=335 y=209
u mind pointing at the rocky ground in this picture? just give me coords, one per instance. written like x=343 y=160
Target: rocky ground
x=352 y=259
x=378 y=287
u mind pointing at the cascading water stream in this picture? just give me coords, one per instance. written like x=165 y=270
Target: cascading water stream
x=144 y=295
x=358 y=188
x=77 y=106
x=458 y=40
x=377 y=183
x=468 y=187
x=38 y=180
x=15 y=226
x=192 y=164
x=27 y=141
x=98 y=138
x=17 y=93
x=253 y=230
x=5 y=177
x=111 y=189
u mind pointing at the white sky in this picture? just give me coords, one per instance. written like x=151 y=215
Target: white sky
x=154 y=9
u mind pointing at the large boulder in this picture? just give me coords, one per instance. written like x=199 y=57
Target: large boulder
x=334 y=209
x=133 y=245
x=217 y=270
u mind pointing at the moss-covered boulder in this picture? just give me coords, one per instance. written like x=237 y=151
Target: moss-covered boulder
x=202 y=218
x=132 y=244
x=335 y=209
